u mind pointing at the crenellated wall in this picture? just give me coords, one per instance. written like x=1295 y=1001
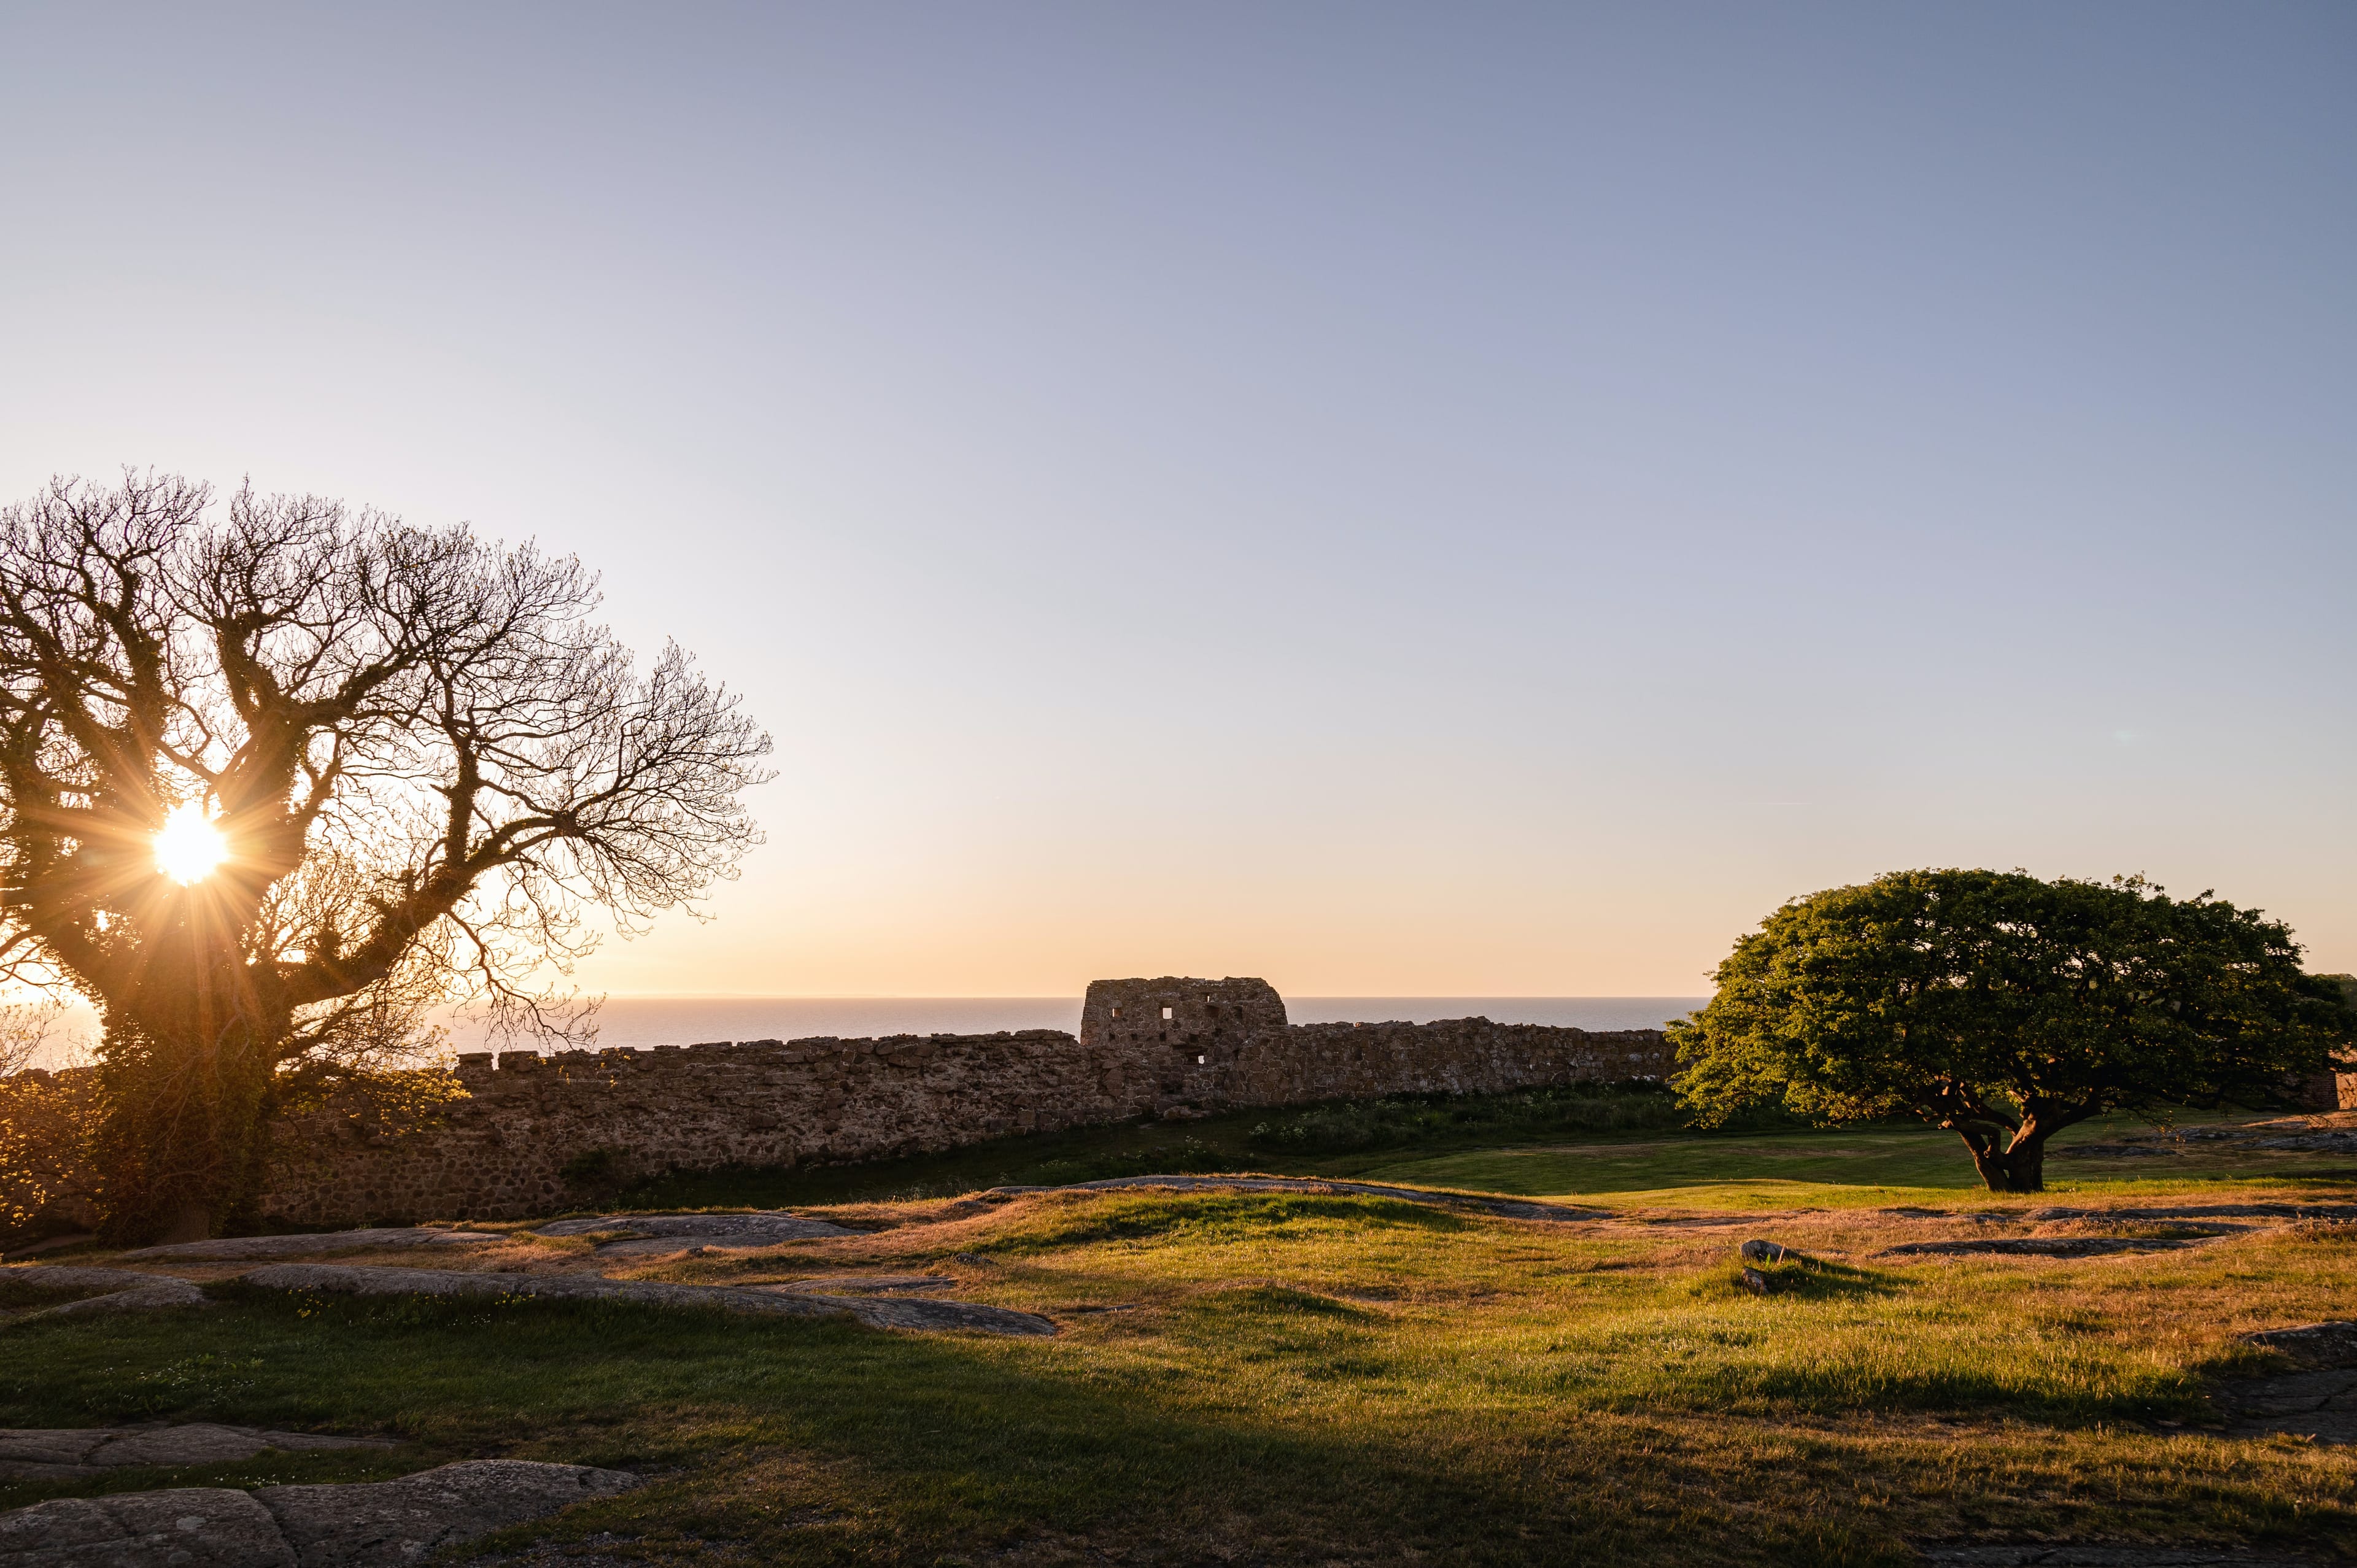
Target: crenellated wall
x=530 y=1127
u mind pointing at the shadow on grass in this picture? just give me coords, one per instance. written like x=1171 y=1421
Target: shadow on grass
x=818 y=1442
x=1798 y=1277
x=1213 y=1216
x=1279 y=1300
x=815 y=1442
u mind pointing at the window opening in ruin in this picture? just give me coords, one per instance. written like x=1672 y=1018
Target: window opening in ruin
x=1165 y=1014
x=1116 y=1012
x=1198 y=1060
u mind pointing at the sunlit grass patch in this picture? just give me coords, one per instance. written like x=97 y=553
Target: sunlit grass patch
x=1214 y=1218
x=1792 y=1355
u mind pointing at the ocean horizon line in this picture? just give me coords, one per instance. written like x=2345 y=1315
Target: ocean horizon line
x=644 y=1020
x=1075 y=996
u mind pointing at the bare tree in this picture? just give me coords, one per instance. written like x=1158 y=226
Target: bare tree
x=422 y=759
x=25 y=1030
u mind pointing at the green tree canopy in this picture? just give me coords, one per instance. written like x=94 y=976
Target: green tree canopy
x=2005 y=1008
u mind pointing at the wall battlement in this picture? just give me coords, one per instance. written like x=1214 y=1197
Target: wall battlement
x=517 y=1143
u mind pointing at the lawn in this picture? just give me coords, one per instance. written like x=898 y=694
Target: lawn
x=1616 y=1141
x=1313 y=1379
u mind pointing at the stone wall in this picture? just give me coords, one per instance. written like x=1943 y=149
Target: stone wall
x=535 y=1133
x=504 y=1151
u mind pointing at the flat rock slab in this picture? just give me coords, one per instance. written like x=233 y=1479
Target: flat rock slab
x=401 y=1521
x=758 y=1229
x=63 y=1454
x=1997 y=1216
x=242 y=1247
x=919 y=1313
x=657 y=1247
x=673 y=1246
x=863 y=1284
x=1510 y=1209
x=361 y=1279
x=124 y=1290
x=2320 y=1403
x=2332 y=1142
x=70 y=1276
x=2043 y=1246
x=2196 y=1211
x=2332 y=1344
x=187 y=1527
x=2319 y=1400
x=373 y=1525
x=2045 y=1555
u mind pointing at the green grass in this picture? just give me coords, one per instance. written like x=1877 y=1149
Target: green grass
x=1629 y=1140
x=1325 y=1139
x=1850 y=1165
x=1305 y=1377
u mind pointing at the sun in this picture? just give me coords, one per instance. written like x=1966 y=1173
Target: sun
x=187 y=846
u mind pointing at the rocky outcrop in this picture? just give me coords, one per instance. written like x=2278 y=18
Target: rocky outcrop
x=244 y=1247
x=371 y=1525
x=101 y=1290
x=876 y=1313
x=79 y=1452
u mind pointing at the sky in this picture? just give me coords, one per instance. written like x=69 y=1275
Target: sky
x=1400 y=500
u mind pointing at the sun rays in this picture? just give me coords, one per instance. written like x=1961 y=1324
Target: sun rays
x=188 y=846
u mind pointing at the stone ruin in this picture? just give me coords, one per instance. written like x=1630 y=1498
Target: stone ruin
x=537 y=1133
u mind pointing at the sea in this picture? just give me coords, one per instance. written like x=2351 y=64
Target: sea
x=639 y=1021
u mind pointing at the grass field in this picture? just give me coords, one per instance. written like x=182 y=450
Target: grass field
x=1310 y=1378
x=1617 y=1142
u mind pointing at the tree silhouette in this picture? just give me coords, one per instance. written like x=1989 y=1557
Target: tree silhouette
x=422 y=759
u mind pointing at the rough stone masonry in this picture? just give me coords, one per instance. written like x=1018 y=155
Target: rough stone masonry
x=532 y=1128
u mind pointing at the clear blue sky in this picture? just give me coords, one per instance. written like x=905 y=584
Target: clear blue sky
x=1402 y=500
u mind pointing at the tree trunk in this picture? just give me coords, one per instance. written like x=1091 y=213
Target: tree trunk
x=182 y=1134
x=189 y=1222
x=2021 y=1166
x=186 y=1074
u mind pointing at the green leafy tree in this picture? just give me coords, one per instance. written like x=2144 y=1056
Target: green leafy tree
x=2005 y=1008
x=278 y=776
